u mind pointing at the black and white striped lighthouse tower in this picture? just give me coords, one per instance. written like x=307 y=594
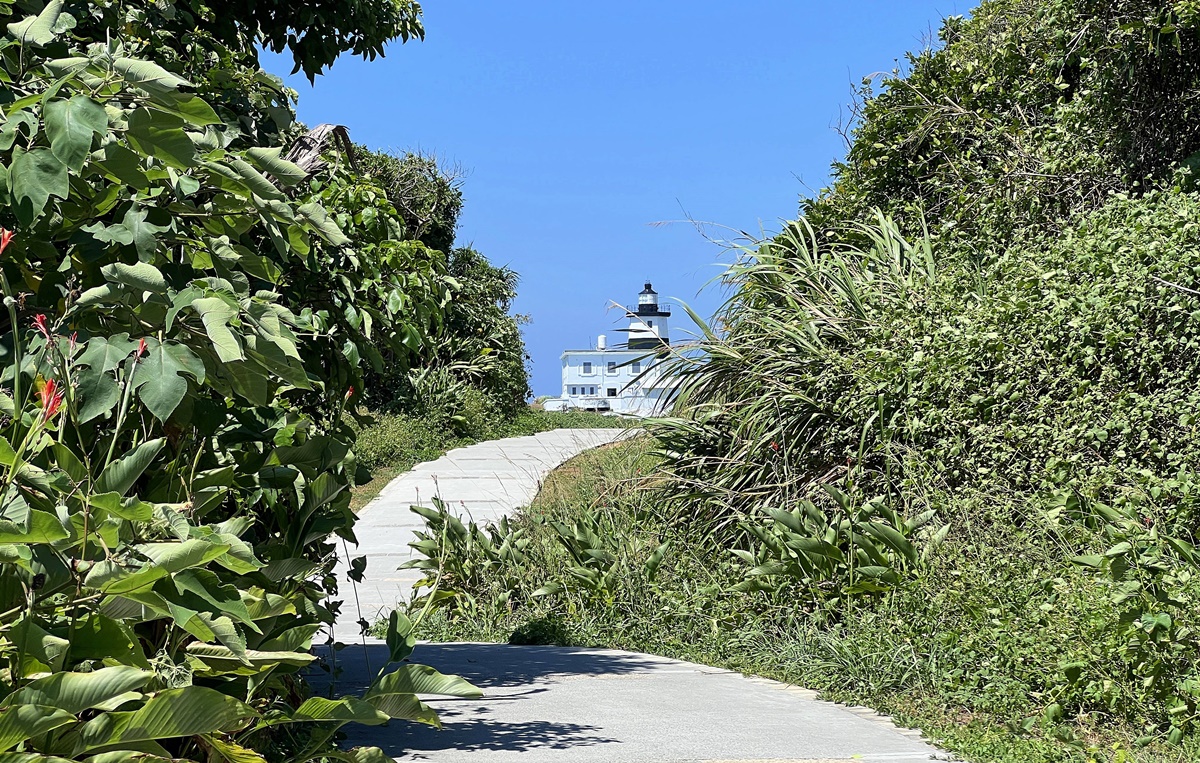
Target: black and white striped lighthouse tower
x=648 y=323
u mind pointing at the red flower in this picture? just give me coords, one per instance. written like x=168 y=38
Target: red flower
x=774 y=446
x=350 y=392
x=141 y=347
x=6 y=236
x=39 y=323
x=52 y=398
x=74 y=340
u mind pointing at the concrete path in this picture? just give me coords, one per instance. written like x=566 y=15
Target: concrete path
x=481 y=482
x=560 y=705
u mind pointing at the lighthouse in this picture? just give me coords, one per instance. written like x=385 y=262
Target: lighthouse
x=648 y=322
x=621 y=378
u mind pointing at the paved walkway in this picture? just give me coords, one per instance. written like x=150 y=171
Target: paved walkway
x=481 y=482
x=565 y=705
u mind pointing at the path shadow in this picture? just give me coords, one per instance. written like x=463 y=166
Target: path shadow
x=505 y=673
x=489 y=666
x=409 y=741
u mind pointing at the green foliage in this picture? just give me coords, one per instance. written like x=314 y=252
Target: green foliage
x=473 y=359
x=186 y=313
x=1029 y=111
x=315 y=33
x=428 y=197
x=982 y=394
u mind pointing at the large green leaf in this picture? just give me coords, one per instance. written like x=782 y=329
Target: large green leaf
x=106 y=353
x=316 y=216
x=71 y=125
x=893 y=538
x=42 y=527
x=96 y=385
x=160 y=376
x=404 y=706
x=216 y=313
x=270 y=161
x=161 y=136
x=230 y=752
x=21 y=722
x=111 y=578
x=34 y=177
x=141 y=276
x=99 y=392
x=174 y=557
x=130 y=508
x=190 y=108
x=35 y=757
x=257 y=183
x=148 y=75
x=76 y=692
x=142 y=234
x=412 y=678
x=223 y=658
x=363 y=755
x=345 y=710
x=38 y=30
x=120 y=475
x=184 y=712
x=40 y=650
x=124 y=165
x=399 y=637
x=205 y=586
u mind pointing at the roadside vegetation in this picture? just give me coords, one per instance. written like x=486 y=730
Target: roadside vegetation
x=200 y=297
x=937 y=453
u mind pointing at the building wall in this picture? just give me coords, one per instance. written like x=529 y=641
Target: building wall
x=599 y=379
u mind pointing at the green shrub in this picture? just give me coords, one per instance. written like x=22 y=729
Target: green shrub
x=1028 y=112
x=183 y=315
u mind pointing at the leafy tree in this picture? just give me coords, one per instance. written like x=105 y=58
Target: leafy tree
x=185 y=313
x=1029 y=111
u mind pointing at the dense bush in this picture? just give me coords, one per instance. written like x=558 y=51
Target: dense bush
x=1026 y=112
x=1049 y=395
x=173 y=451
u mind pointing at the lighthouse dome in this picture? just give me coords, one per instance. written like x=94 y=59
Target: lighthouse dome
x=648 y=296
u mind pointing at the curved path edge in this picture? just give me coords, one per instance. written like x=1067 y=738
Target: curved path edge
x=545 y=704
x=481 y=482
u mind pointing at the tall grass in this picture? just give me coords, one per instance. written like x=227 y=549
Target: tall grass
x=761 y=415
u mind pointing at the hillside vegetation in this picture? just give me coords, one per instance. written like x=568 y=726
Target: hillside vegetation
x=938 y=451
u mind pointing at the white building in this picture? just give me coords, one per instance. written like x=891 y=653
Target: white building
x=621 y=379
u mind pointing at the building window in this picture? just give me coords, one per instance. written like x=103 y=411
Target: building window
x=587 y=368
x=637 y=367
x=593 y=390
x=612 y=391
x=573 y=390
x=612 y=366
x=650 y=324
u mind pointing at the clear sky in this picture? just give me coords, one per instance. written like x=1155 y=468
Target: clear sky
x=582 y=125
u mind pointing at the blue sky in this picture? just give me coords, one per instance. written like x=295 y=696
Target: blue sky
x=582 y=126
